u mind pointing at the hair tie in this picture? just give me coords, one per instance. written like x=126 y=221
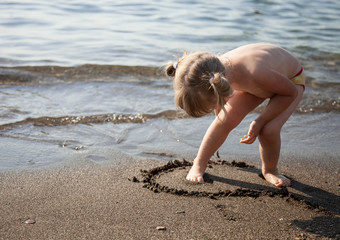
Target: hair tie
x=175 y=65
x=211 y=80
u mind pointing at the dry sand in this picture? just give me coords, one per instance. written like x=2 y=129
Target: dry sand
x=121 y=202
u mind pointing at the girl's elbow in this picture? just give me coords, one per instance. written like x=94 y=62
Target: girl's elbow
x=294 y=93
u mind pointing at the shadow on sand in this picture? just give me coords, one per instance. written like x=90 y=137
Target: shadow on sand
x=301 y=194
x=314 y=197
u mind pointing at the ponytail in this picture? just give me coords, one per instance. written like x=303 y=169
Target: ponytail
x=170 y=69
x=221 y=88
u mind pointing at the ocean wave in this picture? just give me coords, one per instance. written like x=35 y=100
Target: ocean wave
x=94 y=119
x=306 y=106
x=25 y=75
x=38 y=75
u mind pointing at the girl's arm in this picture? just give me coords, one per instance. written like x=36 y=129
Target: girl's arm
x=237 y=107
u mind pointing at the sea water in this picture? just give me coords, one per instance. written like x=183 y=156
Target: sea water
x=84 y=78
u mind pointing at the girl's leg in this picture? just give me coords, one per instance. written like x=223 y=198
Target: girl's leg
x=270 y=144
x=238 y=106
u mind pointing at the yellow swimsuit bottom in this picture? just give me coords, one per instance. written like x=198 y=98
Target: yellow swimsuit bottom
x=299 y=78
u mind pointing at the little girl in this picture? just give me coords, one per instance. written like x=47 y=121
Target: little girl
x=236 y=83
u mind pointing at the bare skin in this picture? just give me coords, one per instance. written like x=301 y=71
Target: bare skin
x=258 y=72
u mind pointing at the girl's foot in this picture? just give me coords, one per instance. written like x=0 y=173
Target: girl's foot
x=277 y=179
x=195 y=174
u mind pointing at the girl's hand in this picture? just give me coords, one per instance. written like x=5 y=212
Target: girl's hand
x=253 y=132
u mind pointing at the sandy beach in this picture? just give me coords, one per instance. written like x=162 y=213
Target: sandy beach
x=148 y=199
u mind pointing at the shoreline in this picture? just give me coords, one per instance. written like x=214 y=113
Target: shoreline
x=106 y=202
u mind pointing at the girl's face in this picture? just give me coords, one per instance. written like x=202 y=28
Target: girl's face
x=217 y=111
x=217 y=108
x=210 y=104
x=213 y=107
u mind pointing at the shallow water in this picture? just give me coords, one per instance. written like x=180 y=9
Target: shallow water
x=53 y=107
x=149 y=32
x=53 y=121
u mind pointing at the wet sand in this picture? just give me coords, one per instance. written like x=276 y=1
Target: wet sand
x=120 y=201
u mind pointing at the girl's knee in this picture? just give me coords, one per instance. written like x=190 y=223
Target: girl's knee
x=229 y=121
x=226 y=124
x=269 y=133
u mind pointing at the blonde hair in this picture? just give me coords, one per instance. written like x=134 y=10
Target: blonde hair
x=199 y=83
